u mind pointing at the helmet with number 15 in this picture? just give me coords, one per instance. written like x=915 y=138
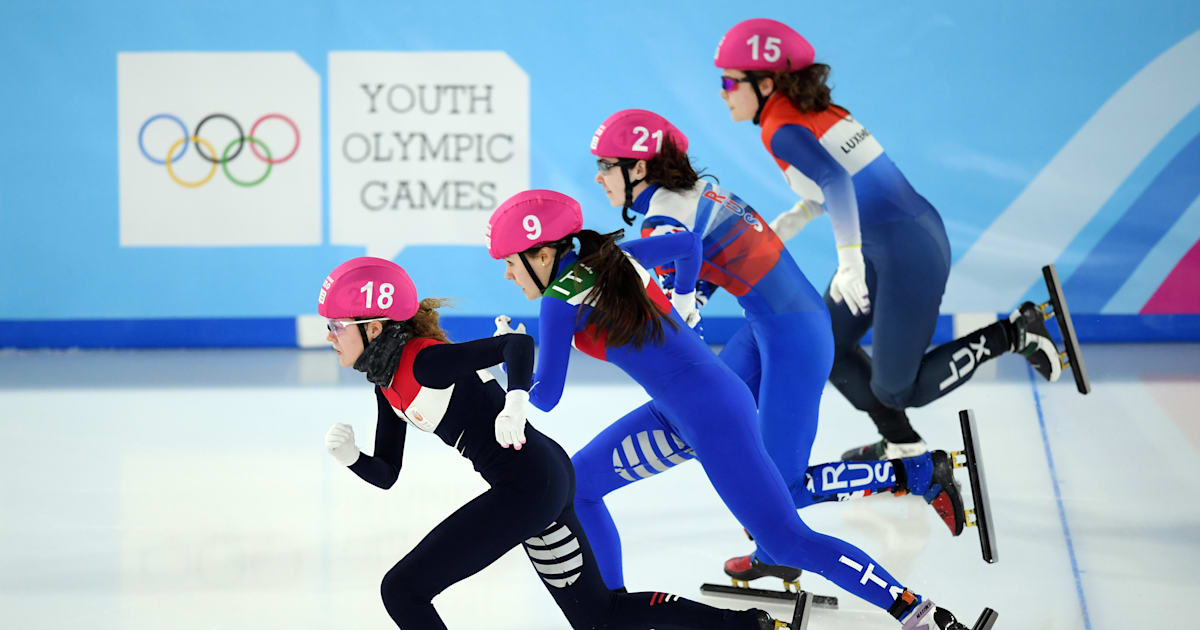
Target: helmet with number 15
x=757 y=48
x=367 y=287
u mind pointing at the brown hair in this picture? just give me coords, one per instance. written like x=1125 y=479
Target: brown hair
x=671 y=168
x=807 y=89
x=425 y=322
x=621 y=308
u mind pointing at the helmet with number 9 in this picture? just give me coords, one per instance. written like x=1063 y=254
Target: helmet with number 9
x=368 y=287
x=763 y=44
x=635 y=133
x=531 y=218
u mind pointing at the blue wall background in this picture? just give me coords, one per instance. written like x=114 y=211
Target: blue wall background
x=970 y=100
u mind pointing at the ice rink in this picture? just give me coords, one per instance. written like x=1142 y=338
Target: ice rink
x=191 y=490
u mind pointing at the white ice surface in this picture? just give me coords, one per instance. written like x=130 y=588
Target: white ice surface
x=191 y=490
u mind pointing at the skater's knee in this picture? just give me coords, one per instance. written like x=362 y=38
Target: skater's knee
x=591 y=483
x=895 y=396
x=400 y=588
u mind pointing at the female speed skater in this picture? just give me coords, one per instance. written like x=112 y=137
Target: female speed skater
x=892 y=249
x=442 y=388
x=603 y=302
x=783 y=352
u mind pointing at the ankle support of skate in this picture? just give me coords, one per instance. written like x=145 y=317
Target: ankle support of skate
x=904 y=602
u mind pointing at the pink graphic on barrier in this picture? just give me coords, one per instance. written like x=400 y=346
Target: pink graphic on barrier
x=1180 y=292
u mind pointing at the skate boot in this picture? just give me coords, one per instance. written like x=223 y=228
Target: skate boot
x=745 y=569
x=1032 y=340
x=925 y=615
x=884 y=449
x=931 y=477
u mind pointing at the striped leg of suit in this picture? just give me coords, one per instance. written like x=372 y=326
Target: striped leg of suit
x=566 y=565
x=639 y=445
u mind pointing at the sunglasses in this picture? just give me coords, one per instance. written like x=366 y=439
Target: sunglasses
x=337 y=327
x=729 y=84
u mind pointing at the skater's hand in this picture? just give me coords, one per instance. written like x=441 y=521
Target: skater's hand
x=791 y=222
x=849 y=284
x=503 y=326
x=686 y=305
x=510 y=422
x=339 y=441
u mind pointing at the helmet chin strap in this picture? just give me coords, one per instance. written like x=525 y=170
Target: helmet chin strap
x=629 y=184
x=553 y=269
x=762 y=100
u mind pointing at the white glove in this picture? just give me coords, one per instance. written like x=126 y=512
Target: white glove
x=850 y=282
x=792 y=221
x=340 y=443
x=503 y=327
x=510 y=422
x=686 y=305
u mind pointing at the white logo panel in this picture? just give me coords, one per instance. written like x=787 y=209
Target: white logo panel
x=424 y=145
x=851 y=145
x=218 y=149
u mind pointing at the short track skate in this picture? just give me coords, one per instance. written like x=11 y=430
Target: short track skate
x=1056 y=308
x=979 y=515
x=791 y=589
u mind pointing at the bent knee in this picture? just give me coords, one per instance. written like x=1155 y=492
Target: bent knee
x=400 y=586
x=894 y=396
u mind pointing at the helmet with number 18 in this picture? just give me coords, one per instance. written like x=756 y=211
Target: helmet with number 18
x=367 y=287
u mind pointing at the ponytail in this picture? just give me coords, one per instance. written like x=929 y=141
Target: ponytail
x=621 y=308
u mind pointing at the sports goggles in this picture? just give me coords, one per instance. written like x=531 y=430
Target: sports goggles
x=337 y=327
x=603 y=166
x=728 y=84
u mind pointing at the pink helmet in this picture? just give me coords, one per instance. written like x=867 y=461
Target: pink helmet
x=762 y=44
x=368 y=287
x=635 y=133
x=531 y=218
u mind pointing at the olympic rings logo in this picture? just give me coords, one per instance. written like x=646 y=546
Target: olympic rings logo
x=231 y=151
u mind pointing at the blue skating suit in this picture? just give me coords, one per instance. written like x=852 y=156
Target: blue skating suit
x=784 y=351
x=830 y=157
x=701 y=410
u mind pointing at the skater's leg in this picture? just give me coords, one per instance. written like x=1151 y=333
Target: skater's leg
x=741 y=354
x=797 y=352
x=946 y=367
x=912 y=278
x=473 y=537
x=852 y=367
x=721 y=427
x=637 y=446
x=564 y=559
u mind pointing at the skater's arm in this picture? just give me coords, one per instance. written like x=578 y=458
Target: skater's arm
x=439 y=365
x=556 y=327
x=797 y=146
x=382 y=468
x=684 y=248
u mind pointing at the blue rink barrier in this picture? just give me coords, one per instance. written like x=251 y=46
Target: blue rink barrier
x=281 y=332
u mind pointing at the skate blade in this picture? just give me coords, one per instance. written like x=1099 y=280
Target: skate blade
x=1066 y=327
x=804 y=606
x=986 y=620
x=818 y=601
x=980 y=514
